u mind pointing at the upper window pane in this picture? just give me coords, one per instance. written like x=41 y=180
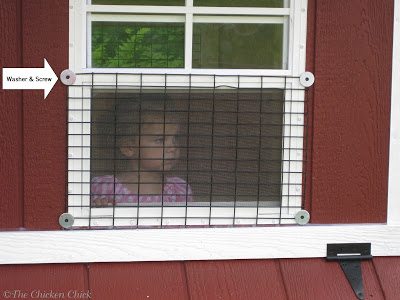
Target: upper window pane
x=139 y=2
x=137 y=45
x=238 y=46
x=240 y=3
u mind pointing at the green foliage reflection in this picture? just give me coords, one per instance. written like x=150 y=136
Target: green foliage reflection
x=137 y=45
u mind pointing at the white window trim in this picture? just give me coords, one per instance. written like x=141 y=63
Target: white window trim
x=80 y=31
x=220 y=243
x=191 y=244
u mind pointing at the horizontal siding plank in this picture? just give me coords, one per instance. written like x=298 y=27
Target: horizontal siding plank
x=45 y=35
x=388 y=271
x=318 y=279
x=36 y=280
x=235 y=279
x=11 y=145
x=150 y=280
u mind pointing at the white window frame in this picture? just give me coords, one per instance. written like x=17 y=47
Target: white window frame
x=24 y=247
x=81 y=15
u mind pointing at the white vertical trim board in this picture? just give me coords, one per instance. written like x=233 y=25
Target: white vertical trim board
x=393 y=215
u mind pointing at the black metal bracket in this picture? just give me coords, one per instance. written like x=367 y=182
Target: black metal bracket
x=349 y=256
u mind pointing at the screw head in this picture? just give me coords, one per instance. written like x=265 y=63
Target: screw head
x=302 y=217
x=67 y=77
x=66 y=220
x=307 y=79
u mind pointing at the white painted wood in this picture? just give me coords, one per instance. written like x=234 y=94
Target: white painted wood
x=82 y=34
x=138 y=18
x=239 y=19
x=178 y=71
x=285 y=40
x=181 y=80
x=255 y=11
x=298 y=37
x=71 y=34
x=188 y=41
x=196 y=213
x=77 y=34
x=297 y=42
x=393 y=216
x=89 y=40
x=190 y=243
x=142 y=9
x=302 y=21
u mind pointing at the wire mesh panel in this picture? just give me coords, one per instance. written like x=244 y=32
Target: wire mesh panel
x=160 y=150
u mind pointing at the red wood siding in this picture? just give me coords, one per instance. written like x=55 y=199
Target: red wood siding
x=240 y=279
x=11 y=146
x=45 y=35
x=152 y=280
x=318 y=279
x=388 y=271
x=40 y=279
x=352 y=66
x=348 y=49
x=300 y=279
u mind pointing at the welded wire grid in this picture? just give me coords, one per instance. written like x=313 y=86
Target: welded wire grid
x=230 y=149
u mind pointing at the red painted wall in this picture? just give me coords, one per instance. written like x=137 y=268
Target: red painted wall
x=11 y=146
x=349 y=50
x=33 y=154
x=351 y=109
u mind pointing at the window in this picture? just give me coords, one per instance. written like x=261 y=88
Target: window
x=238 y=112
x=202 y=37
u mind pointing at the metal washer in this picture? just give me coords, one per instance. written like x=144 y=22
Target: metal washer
x=67 y=77
x=66 y=220
x=307 y=79
x=302 y=217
